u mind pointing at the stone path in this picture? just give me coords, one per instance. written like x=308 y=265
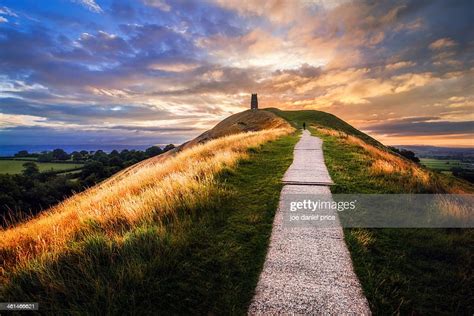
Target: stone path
x=307 y=270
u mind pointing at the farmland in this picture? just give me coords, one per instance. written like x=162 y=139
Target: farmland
x=15 y=166
x=445 y=164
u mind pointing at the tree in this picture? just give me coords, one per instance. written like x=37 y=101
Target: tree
x=45 y=157
x=22 y=153
x=30 y=169
x=409 y=155
x=114 y=153
x=60 y=154
x=168 y=147
x=405 y=153
x=394 y=149
x=77 y=156
x=153 y=151
x=101 y=156
x=93 y=168
x=115 y=161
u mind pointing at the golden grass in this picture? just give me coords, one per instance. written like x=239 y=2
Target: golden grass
x=246 y=121
x=249 y=120
x=384 y=162
x=145 y=194
x=452 y=207
x=364 y=237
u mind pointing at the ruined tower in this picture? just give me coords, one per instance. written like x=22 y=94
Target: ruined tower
x=254 y=102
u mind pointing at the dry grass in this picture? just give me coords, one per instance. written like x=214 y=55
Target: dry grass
x=456 y=208
x=386 y=163
x=364 y=237
x=147 y=193
x=247 y=121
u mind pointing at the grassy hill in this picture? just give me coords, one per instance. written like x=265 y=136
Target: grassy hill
x=402 y=271
x=187 y=231
x=246 y=121
x=360 y=164
x=183 y=233
x=323 y=119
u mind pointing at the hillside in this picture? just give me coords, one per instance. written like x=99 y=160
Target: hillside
x=402 y=271
x=187 y=231
x=130 y=190
x=323 y=119
x=246 y=121
x=132 y=231
x=363 y=165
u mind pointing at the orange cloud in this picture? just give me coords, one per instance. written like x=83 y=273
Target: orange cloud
x=442 y=43
x=399 y=65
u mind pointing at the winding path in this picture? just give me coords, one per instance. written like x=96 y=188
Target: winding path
x=307 y=270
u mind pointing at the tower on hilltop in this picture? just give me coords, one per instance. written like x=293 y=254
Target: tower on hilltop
x=254 y=102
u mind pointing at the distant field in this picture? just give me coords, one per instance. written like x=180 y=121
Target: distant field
x=445 y=164
x=24 y=158
x=16 y=166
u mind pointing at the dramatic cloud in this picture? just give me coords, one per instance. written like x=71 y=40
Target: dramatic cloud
x=167 y=70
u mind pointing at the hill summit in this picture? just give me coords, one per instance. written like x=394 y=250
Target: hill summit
x=247 y=121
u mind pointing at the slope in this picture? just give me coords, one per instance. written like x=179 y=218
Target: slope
x=160 y=226
x=407 y=271
x=296 y=118
x=246 y=121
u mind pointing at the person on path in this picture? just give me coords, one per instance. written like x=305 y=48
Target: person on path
x=304 y=125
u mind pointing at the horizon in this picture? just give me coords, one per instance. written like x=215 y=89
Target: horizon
x=158 y=71
x=109 y=147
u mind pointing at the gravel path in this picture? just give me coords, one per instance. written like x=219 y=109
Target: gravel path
x=307 y=270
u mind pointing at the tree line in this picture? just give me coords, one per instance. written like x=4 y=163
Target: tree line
x=59 y=155
x=26 y=194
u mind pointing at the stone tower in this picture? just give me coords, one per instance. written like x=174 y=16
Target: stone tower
x=254 y=102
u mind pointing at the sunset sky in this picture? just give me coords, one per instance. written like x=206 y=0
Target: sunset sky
x=159 y=71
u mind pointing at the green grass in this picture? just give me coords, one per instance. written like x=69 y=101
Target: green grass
x=445 y=164
x=23 y=158
x=204 y=261
x=297 y=118
x=402 y=271
x=407 y=271
x=16 y=166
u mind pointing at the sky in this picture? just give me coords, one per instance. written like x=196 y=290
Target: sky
x=162 y=71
